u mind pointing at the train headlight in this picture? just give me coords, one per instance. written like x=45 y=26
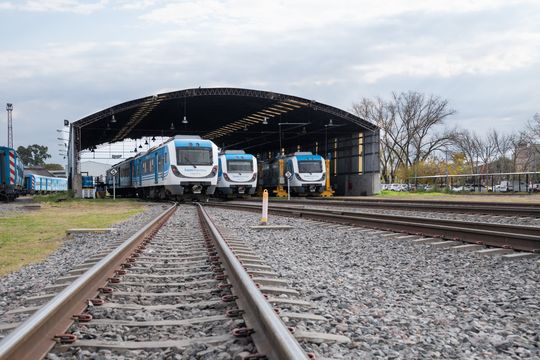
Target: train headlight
x=298 y=177
x=214 y=170
x=175 y=170
x=226 y=177
x=253 y=177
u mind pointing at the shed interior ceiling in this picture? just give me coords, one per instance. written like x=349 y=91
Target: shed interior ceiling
x=232 y=118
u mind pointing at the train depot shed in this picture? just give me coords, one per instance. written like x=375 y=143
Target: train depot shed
x=262 y=123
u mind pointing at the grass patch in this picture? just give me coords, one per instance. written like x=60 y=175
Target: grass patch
x=31 y=236
x=406 y=194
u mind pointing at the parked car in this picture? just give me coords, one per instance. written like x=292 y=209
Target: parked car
x=506 y=186
x=534 y=188
x=395 y=187
x=478 y=188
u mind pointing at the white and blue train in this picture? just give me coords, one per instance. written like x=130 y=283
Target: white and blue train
x=183 y=166
x=38 y=184
x=237 y=174
x=307 y=173
x=11 y=174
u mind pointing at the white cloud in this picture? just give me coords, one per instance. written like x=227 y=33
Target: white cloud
x=72 y=6
x=134 y=4
x=287 y=15
x=483 y=54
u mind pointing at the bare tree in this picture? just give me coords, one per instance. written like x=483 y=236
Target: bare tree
x=468 y=144
x=534 y=126
x=520 y=152
x=487 y=150
x=408 y=123
x=503 y=145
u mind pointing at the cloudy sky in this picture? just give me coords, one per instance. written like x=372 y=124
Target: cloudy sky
x=65 y=59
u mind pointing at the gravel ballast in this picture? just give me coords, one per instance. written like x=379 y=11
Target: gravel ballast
x=397 y=299
x=32 y=279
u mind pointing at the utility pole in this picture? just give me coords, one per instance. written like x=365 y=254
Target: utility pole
x=9 y=108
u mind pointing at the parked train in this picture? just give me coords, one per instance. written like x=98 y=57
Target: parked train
x=38 y=184
x=11 y=174
x=237 y=174
x=182 y=167
x=307 y=173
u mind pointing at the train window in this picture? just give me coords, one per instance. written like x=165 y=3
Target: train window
x=160 y=163
x=310 y=166
x=239 y=165
x=191 y=156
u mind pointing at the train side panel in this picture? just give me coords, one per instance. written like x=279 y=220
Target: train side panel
x=11 y=174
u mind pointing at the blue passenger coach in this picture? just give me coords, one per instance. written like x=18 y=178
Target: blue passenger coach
x=183 y=166
x=38 y=184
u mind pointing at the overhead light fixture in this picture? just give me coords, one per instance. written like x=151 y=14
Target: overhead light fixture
x=145 y=142
x=113 y=119
x=330 y=123
x=135 y=149
x=304 y=130
x=140 y=146
x=108 y=126
x=172 y=126
x=153 y=138
x=265 y=121
x=184 y=120
x=245 y=128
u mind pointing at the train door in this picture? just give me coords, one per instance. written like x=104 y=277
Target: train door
x=133 y=173
x=155 y=167
x=165 y=162
x=161 y=163
x=139 y=171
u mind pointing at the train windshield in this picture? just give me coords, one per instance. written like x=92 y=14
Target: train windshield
x=309 y=166
x=193 y=156
x=239 y=166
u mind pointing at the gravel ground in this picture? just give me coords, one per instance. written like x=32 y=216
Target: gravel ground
x=182 y=228
x=31 y=279
x=8 y=208
x=396 y=299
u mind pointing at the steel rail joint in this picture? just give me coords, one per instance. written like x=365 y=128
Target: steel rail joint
x=34 y=337
x=271 y=335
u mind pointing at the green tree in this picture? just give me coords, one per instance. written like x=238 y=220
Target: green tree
x=33 y=155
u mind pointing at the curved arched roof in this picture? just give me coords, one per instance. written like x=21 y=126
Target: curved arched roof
x=231 y=117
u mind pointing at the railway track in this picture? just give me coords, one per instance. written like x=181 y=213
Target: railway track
x=484 y=208
x=517 y=237
x=172 y=288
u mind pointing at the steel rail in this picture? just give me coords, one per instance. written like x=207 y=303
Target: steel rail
x=34 y=338
x=271 y=335
x=516 y=237
x=488 y=208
